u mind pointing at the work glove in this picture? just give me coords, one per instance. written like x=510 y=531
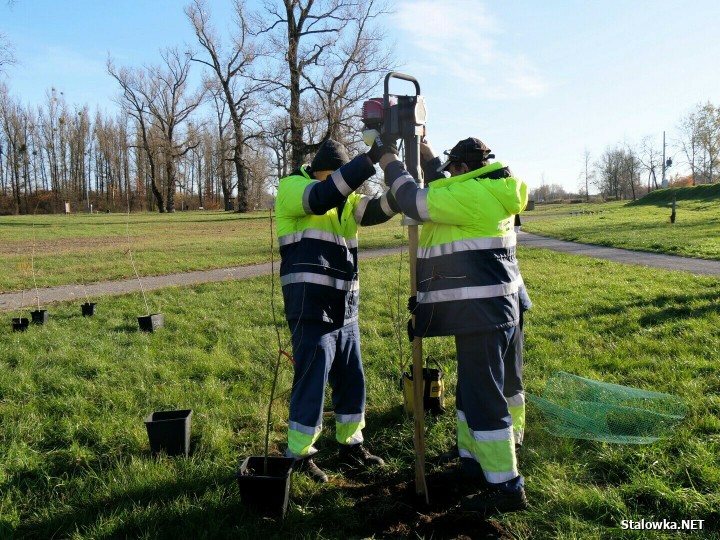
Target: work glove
x=380 y=145
x=412 y=303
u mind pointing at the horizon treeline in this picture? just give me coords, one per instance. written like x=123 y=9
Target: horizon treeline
x=628 y=172
x=283 y=80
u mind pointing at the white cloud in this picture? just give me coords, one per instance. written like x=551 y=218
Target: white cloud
x=459 y=40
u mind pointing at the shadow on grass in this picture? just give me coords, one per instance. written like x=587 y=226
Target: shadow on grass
x=135 y=512
x=666 y=308
x=678 y=307
x=126 y=328
x=209 y=507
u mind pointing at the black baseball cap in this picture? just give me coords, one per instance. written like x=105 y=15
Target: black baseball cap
x=467 y=151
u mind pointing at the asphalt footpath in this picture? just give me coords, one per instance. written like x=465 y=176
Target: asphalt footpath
x=14 y=301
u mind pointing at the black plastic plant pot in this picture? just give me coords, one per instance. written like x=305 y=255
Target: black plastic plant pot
x=39 y=316
x=169 y=432
x=89 y=309
x=20 y=324
x=150 y=323
x=265 y=493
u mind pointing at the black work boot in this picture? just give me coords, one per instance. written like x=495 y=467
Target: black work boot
x=450 y=455
x=356 y=456
x=307 y=466
x=491 y=500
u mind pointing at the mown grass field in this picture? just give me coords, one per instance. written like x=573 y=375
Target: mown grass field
x=74 y=393
x=94 y=247
x=643 y=225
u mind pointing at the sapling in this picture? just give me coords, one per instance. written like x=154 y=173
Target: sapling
x=88 y=308
x=23 y=267
x=20 y=323
x=132 y=261
x=82 y=282
x=279 y=343
x=32 y=262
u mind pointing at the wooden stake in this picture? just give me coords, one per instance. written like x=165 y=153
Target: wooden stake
x=411 y=134
x=417 y=355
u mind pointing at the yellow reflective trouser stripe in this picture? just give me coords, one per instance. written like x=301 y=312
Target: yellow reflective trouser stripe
x=495 y=454
x=518 y=419
x=349 y=432
x=300 y=443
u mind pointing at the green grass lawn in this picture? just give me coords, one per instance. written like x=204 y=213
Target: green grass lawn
x=91 y=248
x=74 y=393
x=643 y=225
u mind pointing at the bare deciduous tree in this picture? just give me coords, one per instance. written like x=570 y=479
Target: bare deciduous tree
x=650 y=157
x=617 y=172
x=7 y=53
x=708 y=118
x=630 y=170
x=134 y=101
x=586 y=174
x=700 y=142
x=170 y=107
x=329 y=55
x=609 y=172
x=231 y=69
x=277 y=140
x=158 y=99
x=227 y=184
x=13 y=118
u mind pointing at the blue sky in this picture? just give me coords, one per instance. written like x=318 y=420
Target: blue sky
x=539 y=82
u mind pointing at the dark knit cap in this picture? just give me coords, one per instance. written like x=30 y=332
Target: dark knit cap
x=330 y=156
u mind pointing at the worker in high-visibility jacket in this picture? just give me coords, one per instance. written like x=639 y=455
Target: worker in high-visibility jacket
x=318 y=215
x=468 y=286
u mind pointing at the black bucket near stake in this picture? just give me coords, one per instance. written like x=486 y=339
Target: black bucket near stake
x=20 y=324
x=150 y=323
x=433 y=389
x=88 y=309
x=265 y=493
x=39 y=316
x=169 y=432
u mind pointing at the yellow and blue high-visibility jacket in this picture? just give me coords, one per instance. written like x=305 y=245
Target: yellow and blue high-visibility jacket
x=317 y=232
x=467 y=274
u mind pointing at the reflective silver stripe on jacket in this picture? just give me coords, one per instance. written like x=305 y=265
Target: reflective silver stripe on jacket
x=317 y=234
x=307 y=430
x=470 y=244
x=360 y=209
x=306 y=197
x=340 y=183
x=399 y=182
x=320 y=279
x=422 y=205
x=470 y=293
x=385 y=205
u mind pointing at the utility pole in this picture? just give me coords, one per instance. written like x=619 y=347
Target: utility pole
x=666 y=164
x=664 y=179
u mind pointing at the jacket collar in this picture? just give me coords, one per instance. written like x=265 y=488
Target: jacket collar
x=305 y=173
x=477 y=173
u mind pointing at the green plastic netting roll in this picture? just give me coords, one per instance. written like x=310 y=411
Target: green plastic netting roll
x=580 y=408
